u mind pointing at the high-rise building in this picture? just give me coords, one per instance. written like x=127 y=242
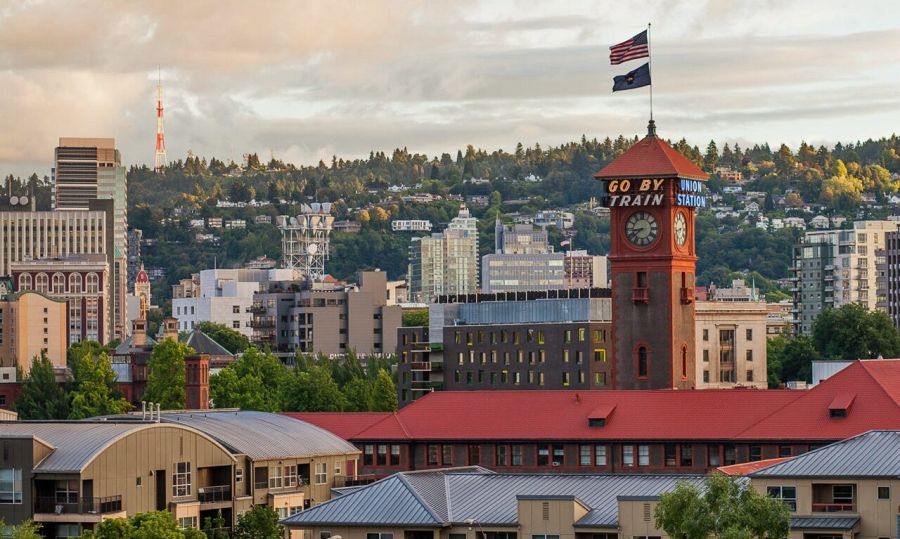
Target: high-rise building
x=888 y=279
x=836 y=267
x=88 y=170
x=522 y=261
x=446 y=262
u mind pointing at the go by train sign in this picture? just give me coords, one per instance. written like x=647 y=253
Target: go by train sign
x=652 y=192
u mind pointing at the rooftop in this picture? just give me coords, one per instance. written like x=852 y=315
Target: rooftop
x=873 y=454
x=651 y=157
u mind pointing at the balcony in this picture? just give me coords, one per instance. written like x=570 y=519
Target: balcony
x=257 y=309
x=420 y=366
x=834 y=508
x=89 y=506
x=360 y=480
x=262 y=323
x=214 y=494
x=833 y=498
x=640 y=295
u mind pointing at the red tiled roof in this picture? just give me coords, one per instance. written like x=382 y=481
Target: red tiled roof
x=738 y=414
x=748 y=467
x=651 y=157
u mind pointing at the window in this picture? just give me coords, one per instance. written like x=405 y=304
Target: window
x=501 y=456
x=628 y=455
x=276 y=477
x=559 y=455
x=379 y=536
x=884 y=493
x=42 y=283
x=321 y=473
x=584 y=455
x=730 y=455
x=59 y=283
x=187 y=522
x=582 y=334
x=138 y=481
x=641 y=279
x=66 y=531
x=842 y=494
x=543 y=456
x=395 y=455
x=368 y=455
x=238 y=475
x=670 y=454
x=713 y=457
x=755 y=452
x=290 y=475
x=749 y=355
x=642 y=366
x=25 y=281
x=687 y=456
x=382 y=455
x=600 y=355
x=236 y=309
x=749 y=334
x=643 y=455
x=785 y=451
x=447 y=456
x=432 y=452
x=545 y=536
x=599 y=455
x=786 y=494
x=337 y=468
x=749 y=374
x=706 y=356
x=324 y=535
x=516 y=451
x=66 y=491
x=236 y=324
x=10 y=485
x=181 y=480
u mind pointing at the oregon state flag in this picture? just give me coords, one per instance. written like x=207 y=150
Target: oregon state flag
x=633 y=79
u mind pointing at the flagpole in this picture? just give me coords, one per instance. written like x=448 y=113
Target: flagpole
x=650 y=69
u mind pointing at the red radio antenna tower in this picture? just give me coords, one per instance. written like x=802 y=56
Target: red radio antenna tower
x=160 y=135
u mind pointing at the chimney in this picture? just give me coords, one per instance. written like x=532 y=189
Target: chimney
x=170 y=328
x=138 y=333
x=196 y=382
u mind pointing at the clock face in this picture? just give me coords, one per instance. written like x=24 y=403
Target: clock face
x=641 y=229
x=680 y=229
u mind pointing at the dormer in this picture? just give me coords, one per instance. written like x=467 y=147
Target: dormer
x=840 y=406
x=600 y=416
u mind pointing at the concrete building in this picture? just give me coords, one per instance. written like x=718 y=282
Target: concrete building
x=731 y=344
x=326 y=317
x=71 y=475
x=411 y=225
x=82 y=282
x=585 y=271
x=32 y=324
x=522 y=261
x=836 y=267
x=780 y=320
x=888 y=276
x=560 y=219
x=446 y=262
x=87 y=170
x=222 y=296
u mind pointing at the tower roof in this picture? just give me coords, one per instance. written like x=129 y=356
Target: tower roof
x=651 y=157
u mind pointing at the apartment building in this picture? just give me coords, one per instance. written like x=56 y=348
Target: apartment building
x=327 y=317
x=32 y=324
x=445 y=262
x=731 y=344
x=522 y=261
x=585 y=271
x=888 y=279
x=850 y=489
x=222 y=296
x=71 y=475
x=836 y=267
x=82 y=282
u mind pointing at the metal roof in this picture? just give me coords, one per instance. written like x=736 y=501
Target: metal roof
x=824 y=523
x=204 y=344
x=872 y=454
x=75 y=443
x=438 y=498
x=263 y=436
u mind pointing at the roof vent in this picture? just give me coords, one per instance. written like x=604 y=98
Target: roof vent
x=840 y=406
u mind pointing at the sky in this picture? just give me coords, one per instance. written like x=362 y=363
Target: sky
x=302 y=81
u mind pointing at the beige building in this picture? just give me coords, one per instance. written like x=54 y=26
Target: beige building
x=32 y=324
x=731 y=344
x=71 y=475
x=446 y=262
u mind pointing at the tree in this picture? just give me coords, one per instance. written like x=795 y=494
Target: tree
x=384 y=393
x=41 y=396
x=93 y=392
x=415 y=317
x=358 y=395
x=260 y=522
x=256 y=381
x=852 y=332
x=314 y=390
x=28 y=529
x=233 y=341
x=152 y=525
x=712 y=156
x=166 y=378
x=727 y=509
x=215 y=528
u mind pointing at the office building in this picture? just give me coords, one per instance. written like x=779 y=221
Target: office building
x=222 y=296
x=327 y=317
x=731 y=344
x=522 y=261
x=445 y=262
x=32 y=324
x=832 y=268
x=81 y=281
x=585 y=271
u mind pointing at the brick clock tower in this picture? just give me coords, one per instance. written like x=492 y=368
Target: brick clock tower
x=652 y=192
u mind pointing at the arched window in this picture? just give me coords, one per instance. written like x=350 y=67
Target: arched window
x=59 y=283
x=24 y=281
x=642 y=362
x=74 y=283
x=92 y=283
x=42 y=283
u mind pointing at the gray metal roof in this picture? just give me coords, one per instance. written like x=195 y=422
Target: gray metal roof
x=204 y=344
x=263 y=436
x=439 y=498
x=75 y=443
x=872 y=454
x=824 y=523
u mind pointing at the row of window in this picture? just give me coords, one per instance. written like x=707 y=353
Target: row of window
x=534 y=356
x=381 y=455
x=42 y=283
x=531 y=336
x=515 y=378
x=726 y=336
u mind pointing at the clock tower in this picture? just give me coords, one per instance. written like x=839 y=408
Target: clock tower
x=652 y=192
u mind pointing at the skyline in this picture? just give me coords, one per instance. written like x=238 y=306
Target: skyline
x=351 y=78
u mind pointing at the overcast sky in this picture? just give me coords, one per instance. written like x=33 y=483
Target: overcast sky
x=305 y=80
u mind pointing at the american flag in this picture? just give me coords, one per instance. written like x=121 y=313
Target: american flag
x=630 y=49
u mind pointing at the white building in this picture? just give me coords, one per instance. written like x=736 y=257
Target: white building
x=223 y=296
x=411 y=225
x=559 y=219
x=447 y=262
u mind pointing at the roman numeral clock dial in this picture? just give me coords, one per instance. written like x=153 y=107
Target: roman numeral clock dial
x=641 y=229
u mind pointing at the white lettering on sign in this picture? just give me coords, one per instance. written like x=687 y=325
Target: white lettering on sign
x=622 y=186
x=649 y=199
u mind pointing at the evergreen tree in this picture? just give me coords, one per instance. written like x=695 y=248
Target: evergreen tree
x=711 y=157
x=166 y=377
x=41 y=396
x=384 y=393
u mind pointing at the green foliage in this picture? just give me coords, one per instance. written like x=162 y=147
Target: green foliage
x=41 y=396
x=358 y=395
x=384 y=393
x=256 y=381
x=28 y=529
x=260 y=522
x=790 y=359
x=851 y=332
x=727 y=509
x=233 y=341
x=93 y=389
x=166 y=378
x=314 y=390
x=152 y=525
x=415 y=318
x=214 y=527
